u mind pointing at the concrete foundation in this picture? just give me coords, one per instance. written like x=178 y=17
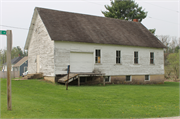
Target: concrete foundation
x=50 y=78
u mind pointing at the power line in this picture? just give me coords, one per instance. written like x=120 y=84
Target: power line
x=162 y=20
x=29 y=29
x=162 y=7
x=15 y=27
x=149 y=17
x=92 y=2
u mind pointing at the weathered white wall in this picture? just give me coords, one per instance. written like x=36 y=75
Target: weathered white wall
x=42 y=45
x=108 y=58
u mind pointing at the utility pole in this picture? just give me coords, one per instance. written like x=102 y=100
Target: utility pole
x=9 y=47
x=8 y=33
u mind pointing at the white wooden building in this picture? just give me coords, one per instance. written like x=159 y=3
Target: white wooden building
x=95 y=47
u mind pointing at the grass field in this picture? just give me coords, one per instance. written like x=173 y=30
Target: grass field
x=39 y=99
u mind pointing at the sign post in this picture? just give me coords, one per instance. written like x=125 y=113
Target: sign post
x=9 y=47
x=8 y=33
x=68 y=70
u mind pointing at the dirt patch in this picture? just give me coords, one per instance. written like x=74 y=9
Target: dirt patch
x=165 y=118
x=171 y=80
x=19 y=79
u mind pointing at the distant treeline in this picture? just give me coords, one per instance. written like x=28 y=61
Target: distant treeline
x=16 y=52
x=171 y=56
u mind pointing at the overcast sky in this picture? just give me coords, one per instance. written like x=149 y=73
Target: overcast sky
x=163 y=15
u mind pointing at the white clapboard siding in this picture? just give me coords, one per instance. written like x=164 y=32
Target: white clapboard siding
x=108 y=58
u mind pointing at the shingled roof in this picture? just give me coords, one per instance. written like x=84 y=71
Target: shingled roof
x=66 y=26
x=20 y=62
x=15 y=60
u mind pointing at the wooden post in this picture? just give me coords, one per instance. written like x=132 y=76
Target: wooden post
x=13 y=73
x=67 y=77
x=103 y=81
x=78 y=81
x=9 y=47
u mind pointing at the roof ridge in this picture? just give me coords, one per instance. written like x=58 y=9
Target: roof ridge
x=87 y=15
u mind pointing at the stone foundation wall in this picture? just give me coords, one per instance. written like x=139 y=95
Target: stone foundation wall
x=136 y=79
x=50 y=78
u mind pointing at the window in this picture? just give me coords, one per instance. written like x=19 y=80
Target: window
x=25 y=69
x=118 y=57
x=151 y=57
x=128 y=78
x=146 y=77
x=98 y=56
x=135 y=57
x=107 y=78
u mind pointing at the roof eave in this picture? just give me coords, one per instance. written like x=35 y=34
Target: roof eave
x=31 y=29
x=19 y=64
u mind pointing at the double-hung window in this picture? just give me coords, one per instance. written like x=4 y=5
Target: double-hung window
x=98 y=56
x=118 y=56
x=25 y=69
x=107 y=78
x=151 y=57
x=128 y=78
x=147 y=78
x=135 y=57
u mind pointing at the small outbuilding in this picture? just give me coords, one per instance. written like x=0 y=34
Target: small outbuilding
x=21 y=66
x=13 y=62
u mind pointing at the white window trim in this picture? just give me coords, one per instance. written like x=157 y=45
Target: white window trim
x=109 y=79
x=138 y=57
x=95 y=55
x=120 y=57
x=130 y=78
x=145 y=77
x=150 y=57
x=25 y=67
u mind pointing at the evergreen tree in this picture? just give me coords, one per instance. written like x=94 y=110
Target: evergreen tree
x=152 y=31
x=125 y=9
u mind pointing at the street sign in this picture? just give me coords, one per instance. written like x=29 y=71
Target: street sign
x=2 y=32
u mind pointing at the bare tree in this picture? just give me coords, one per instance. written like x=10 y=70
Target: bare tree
x=165 y=39
x=173 y=44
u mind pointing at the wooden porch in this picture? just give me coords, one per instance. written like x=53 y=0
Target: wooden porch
x=76 y=76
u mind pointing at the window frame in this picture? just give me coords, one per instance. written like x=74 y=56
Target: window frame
x=109 y=79
x=96 y=62
x=118 y=57
x=136 y=57
x=151 y=58
x=130 y=78
x=25 y=67
x=148 y=77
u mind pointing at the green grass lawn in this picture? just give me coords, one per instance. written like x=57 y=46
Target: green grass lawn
x=40 y=99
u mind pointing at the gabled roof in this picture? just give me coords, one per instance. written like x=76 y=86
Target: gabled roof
x=66 y=26
x=15 y=60
x=24 y=59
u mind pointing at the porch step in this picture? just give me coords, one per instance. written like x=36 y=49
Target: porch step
x=65 y=78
